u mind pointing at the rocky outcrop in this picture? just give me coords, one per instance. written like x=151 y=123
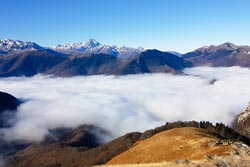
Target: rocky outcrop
x=241 y=122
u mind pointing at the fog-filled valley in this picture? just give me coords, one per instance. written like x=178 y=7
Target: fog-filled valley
x=121 y=104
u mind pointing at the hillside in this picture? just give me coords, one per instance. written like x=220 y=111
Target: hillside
x=176 y=144
x=33 y=62
x=224 y=55
x=8 y=106
x=8 y=102
x=65 y=154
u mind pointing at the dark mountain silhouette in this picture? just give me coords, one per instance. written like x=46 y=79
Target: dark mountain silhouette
x=29 y=63
x=8 y=106
x=224 y=55
x=152 y=61
x=88 y=65
x=64 y=154
x=8 y=102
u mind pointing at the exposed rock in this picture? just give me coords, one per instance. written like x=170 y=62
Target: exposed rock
x=241 y=122
x=181 y=161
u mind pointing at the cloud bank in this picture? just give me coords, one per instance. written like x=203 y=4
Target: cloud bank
x=122 y=104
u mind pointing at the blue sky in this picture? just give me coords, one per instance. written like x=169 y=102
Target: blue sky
x=180 y=25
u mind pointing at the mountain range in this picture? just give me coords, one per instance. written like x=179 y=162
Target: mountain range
x=9 y=46
x=93 y=47
x=92 y=60
x=224 y=55
x=19 y=58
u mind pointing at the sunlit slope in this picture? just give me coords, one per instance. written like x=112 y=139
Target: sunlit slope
x=175 y=144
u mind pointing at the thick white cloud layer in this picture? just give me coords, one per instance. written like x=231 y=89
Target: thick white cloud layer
x=126 y=103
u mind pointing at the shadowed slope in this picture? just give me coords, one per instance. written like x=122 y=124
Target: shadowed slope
x=8 y=102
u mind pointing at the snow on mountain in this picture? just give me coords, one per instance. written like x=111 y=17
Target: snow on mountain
x=213 y=48
x=8 y=45
x=91 y=43
x=92 y=46
x=175 y=53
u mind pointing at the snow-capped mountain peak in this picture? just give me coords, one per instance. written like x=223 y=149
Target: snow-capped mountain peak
x=91 y=43
x=93 y=46
x=83 y=47
x=213 y=48
x=8 y=45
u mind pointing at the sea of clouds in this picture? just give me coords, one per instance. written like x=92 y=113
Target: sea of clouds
x=122 y=104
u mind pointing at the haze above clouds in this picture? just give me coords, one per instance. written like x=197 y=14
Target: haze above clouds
x=122 y=104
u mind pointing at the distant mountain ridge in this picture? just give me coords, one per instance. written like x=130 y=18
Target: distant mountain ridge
x=91 y=46
x=8 y=45
x=94 y=47
x=224 y=55
x=19 y=58
x=92 y=58
x=35 y=62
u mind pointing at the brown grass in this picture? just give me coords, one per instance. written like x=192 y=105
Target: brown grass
x=175 y=144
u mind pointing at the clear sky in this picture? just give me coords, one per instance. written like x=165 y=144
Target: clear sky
x=180 y=25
